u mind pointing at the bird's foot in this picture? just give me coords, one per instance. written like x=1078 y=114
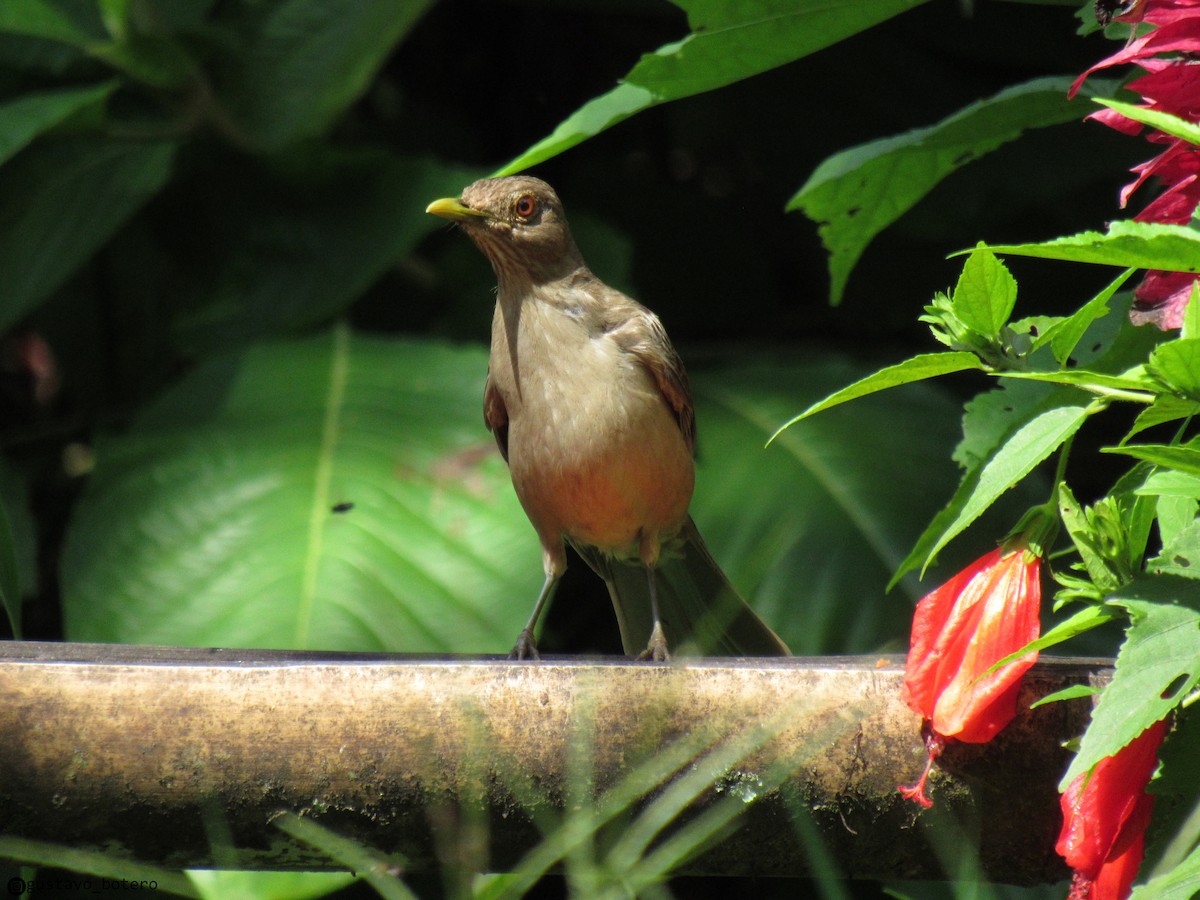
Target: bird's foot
x=526 y=646
x=656 y=650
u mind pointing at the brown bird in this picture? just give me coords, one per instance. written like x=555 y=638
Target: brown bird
x=590 y=406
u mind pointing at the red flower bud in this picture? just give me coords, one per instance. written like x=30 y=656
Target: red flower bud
x=977 y=618
x=1105 y=814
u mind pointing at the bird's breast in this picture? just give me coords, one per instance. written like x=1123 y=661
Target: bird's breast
x=594 y=450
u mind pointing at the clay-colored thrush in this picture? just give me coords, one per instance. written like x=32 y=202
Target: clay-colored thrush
x=590 y=405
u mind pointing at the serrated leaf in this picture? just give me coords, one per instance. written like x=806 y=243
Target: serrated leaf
x=1165 y=408
x=730 y=40
x=24 y=118
x=63 y=200
x=1170 y=484
x=917 y=368
x=1183 y=459
x=1176 y=365
x=990 y=415
x=857 y=193
x=1082 y=378
x=1181 y=552
x=1163 y=121
x=1158 y=665
x=1139 y=245
x=1065 y=336
x=981 y=487
x=985 y=294
x=1087 y=538
x=1083 y=621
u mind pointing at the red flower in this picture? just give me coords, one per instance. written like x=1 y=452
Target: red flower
x=1105 y=814
x=1172 y=85
x=983 y=614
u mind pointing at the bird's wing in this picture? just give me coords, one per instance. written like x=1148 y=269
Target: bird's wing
x=495 y=415
x=638 y=332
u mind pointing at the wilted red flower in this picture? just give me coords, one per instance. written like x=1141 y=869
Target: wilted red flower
x=1171 y=85
x=986 y=612
x=1105 y=814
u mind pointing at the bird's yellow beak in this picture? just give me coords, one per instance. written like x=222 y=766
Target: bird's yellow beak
x=455 y=210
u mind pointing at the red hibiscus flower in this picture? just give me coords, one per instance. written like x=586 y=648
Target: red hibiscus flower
x=1105 y=814
x=960 y=631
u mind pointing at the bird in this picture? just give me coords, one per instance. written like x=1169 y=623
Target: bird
x=591 y=408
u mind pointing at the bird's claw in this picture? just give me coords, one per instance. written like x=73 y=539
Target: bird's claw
x=656 y=649
x=525 y=647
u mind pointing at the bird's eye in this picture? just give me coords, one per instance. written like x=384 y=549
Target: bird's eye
x=525 y=206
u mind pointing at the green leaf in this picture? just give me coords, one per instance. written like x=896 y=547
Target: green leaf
x=1074 y=692
x=300 y=63
x=1085 y=379
x=1180 y=883
x=210 y=521
x=985 y=294
x=1089 y=617
x=1091 y=532
x=833 y=503
x=295 y=249
x=1176 y=365
x=38 y=18
x=1165 y=408
x=730 y=40
x=218 y=884
x=1191 y=314
x=1156 y=667
x=337 y=492
x=981 y=487
x=63 y=200
x=1183 y=459
x=1065 y=336
x=917 y=368
x=1181 y=553
x=1171 y=484
x=23 y=119
x=1163 y=121
x=857 y=193
x=1140 y=245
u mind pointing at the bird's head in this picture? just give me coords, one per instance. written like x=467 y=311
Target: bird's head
x=518 y=223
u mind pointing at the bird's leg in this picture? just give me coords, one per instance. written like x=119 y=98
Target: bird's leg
x=554 y=561
x=656 y=649
x=526 y=646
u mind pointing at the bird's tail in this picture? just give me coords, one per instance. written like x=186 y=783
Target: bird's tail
x=702 y=613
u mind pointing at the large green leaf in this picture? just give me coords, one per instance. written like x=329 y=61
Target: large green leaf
x=302 y=62
x=338 y=492
x=729 y=40
x=1156 y=667
x=287 y=250
x=857 y=193
x=212 y=521
x=62 y=201
x=812 y=527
